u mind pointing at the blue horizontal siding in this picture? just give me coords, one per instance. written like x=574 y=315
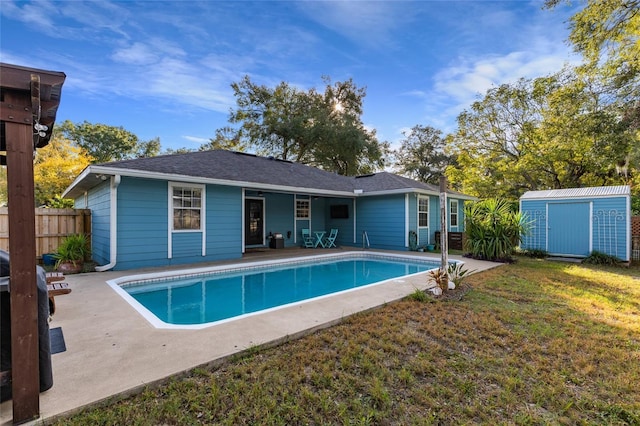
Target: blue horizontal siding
x=383 y=218
x=99 y=201
x=143 y=214
x=224 y=222
x=279 y=216
x=345 y=225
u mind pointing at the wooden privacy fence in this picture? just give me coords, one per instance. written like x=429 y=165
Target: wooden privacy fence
x=52 y=226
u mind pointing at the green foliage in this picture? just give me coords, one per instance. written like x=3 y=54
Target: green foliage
x=55 y=167
x=534 y=253
x=108 y=143
x=57 y=202
x=635 y=205
x=74 y=249
x=599 y=258
x=561 y=131
x=457 y=273
x=320 y=129
x=493 y=229
x=419 y=296
x=606 y=33
x=226 y=138
x=421 y=155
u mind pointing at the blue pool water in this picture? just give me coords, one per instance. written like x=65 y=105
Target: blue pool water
x=222 y=295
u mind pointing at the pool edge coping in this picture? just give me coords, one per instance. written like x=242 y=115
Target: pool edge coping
x=117 y=283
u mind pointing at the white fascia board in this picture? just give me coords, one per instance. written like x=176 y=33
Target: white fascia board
x=416 y=191
x=77 y=180
x=195 y=179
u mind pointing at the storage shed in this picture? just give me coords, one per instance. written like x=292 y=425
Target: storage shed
x=577 y=221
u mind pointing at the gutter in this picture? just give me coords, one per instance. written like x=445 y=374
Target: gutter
x=113 y=223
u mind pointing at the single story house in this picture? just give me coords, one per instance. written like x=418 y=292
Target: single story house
x=577 y=221
x=214 y=205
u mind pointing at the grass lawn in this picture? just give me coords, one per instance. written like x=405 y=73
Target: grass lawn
x=535 y=342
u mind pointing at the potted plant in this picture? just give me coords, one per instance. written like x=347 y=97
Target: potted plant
x=71 y=254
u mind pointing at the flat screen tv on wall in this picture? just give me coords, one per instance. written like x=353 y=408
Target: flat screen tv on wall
x=339 y=211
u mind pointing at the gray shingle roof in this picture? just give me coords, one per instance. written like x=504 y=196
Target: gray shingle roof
x=251 y=171
x=385 y=181
x=236 y=166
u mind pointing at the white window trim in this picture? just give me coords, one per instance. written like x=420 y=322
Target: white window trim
x=296 y=219
x=203 y=216
x=457 y=212
x=306 y=200
x=418 y=212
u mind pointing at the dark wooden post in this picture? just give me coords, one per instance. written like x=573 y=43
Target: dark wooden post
x=22 y=236
x=29 y=99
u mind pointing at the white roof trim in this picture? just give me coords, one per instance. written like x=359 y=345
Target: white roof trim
x=418 y=191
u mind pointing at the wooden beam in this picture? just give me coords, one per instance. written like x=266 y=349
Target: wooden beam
x=24 y=298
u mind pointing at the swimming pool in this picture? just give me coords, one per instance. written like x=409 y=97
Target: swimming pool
x=203 y=297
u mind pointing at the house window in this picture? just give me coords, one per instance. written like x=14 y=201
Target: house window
x=187 y=208
x=423 y=212
x=302 y=209
x=453 y=213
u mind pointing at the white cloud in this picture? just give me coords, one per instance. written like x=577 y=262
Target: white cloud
x=135 y=54
x=365 y=22
x=196 y=139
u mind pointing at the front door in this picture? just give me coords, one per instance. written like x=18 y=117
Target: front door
x=254 y=222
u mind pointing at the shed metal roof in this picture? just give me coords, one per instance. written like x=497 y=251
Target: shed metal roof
x=591 y=192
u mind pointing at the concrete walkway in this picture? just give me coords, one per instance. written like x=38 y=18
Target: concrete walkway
x=113 y=351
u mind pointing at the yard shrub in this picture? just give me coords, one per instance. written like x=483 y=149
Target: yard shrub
x=599 y=258
x=534 y=253
x=494 y=229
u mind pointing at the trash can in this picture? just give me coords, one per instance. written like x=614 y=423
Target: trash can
x=44 y=359
x=277 y=241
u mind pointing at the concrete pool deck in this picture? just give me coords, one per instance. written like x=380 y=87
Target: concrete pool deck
x=113 y=351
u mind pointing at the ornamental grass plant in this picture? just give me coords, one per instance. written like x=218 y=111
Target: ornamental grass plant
x=494 y=229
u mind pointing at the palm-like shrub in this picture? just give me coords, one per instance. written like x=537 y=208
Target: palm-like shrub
x=494 y=229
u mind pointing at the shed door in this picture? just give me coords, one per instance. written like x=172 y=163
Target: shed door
x=568 y=229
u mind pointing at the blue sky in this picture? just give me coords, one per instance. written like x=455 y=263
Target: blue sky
x=164 y=68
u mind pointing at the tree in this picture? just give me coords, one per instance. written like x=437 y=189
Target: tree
x=319 y=129
x=108 y=143
x=493 y=139
x=421 y=155
x=226 y=138
x=149 y=148
x=553 y=132
x=55 y=168
x=608 y=32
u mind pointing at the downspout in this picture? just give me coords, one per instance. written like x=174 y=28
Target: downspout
x=113 y=222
